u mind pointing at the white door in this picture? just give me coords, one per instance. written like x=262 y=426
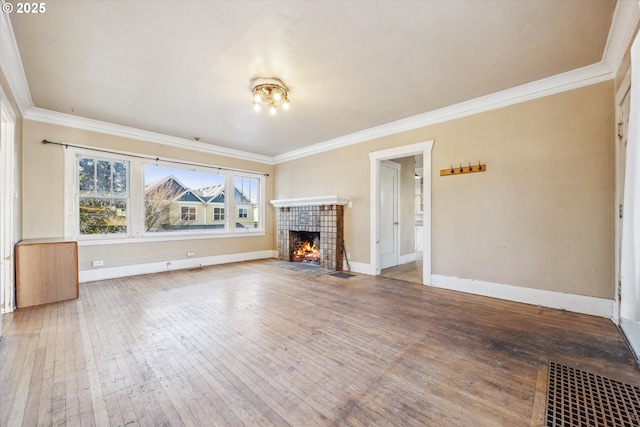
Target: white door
x=389 y=213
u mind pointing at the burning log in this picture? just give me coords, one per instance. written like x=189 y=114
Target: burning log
x=306 y=252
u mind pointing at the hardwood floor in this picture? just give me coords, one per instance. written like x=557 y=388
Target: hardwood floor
x=251 y=344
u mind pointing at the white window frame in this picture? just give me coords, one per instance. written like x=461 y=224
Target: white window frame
x=195 y=213
x=246 y=213
x=77 y=198
x=232 y=205
x=220 y=213
x=135 y=219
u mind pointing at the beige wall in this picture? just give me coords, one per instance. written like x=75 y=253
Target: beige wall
x=43 y=205
x=542 y=215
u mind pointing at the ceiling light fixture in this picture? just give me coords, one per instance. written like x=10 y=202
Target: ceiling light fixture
x=269 y=92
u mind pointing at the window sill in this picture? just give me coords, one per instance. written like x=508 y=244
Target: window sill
x=165 y=238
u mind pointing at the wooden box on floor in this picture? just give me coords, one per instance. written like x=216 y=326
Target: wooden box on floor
x=46 y=271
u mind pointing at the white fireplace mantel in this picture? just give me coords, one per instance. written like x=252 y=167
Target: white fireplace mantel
x=311 y=201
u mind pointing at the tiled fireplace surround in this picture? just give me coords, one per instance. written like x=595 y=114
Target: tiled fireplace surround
x=315 y=214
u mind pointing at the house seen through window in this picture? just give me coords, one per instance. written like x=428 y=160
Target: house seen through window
x=165 y=199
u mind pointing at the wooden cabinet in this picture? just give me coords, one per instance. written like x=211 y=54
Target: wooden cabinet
x=46 y=271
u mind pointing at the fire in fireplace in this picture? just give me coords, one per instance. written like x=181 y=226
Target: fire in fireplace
x=305 y=246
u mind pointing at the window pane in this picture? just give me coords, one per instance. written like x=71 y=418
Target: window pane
x=98 y=211
x=247 y=203
x=103 y=215
x=86 y=171
x=119 y=178
x=168 y=189
x=103 y=177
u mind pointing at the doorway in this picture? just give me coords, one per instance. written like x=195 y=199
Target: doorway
x=627 y=307
x=376 y=164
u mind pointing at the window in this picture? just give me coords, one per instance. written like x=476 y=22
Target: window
x=173 y=196
x=247 y=200
x=103 y=196
x=187 y=213
x=218 y=214
x=130 y=198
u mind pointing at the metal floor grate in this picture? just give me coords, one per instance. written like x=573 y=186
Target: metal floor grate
x=342 y=275
x=580 y=398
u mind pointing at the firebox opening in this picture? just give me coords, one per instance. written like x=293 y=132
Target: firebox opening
x=305 y=246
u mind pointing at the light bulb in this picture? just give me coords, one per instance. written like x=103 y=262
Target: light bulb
x=257 y=97
x=272 y=109
x=256 y=107
x=277 y=96
x=285 y=105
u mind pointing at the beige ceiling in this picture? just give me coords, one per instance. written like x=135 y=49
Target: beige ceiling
x=183 y=68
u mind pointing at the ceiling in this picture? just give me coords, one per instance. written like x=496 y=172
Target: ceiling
x=184 y=68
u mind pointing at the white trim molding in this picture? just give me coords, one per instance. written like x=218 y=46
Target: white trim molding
x=625 y=19
x=11 y=65
x=101 y=273
x=311 y=201
x=360 y=267
x=68 y=120
x=575 y=79
x=576 y=303
x=631 y=330
x=406 y=259
x=8 y=204
x=623 y=24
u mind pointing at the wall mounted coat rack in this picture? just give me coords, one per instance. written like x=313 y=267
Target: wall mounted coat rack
x=462 y=169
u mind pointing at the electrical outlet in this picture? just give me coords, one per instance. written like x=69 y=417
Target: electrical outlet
x=191 y=254
x=348 y=255
x=97 y=263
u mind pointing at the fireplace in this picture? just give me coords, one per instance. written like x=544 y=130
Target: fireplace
x=304 y=247
x=319 y=221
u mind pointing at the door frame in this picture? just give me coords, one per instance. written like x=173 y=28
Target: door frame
x=396 y=208
x=7 y=204
x=375 y=158
x=625 y=87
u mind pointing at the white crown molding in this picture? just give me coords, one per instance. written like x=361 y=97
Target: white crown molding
x=11 y=65
x=56 y=118
x=625 y=19
x=585 y=76
x=624 y=22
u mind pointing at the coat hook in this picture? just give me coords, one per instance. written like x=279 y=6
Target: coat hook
x=460 y=167
x=479 y=166
x=470 y=168
x=452 y=171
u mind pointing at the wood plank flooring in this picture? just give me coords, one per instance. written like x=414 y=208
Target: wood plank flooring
x=251 y=344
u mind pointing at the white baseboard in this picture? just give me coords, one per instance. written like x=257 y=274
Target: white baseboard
x=358 y=267
x=406 y=259
x=180 y=264
x=576 y=303
x=631 y=330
